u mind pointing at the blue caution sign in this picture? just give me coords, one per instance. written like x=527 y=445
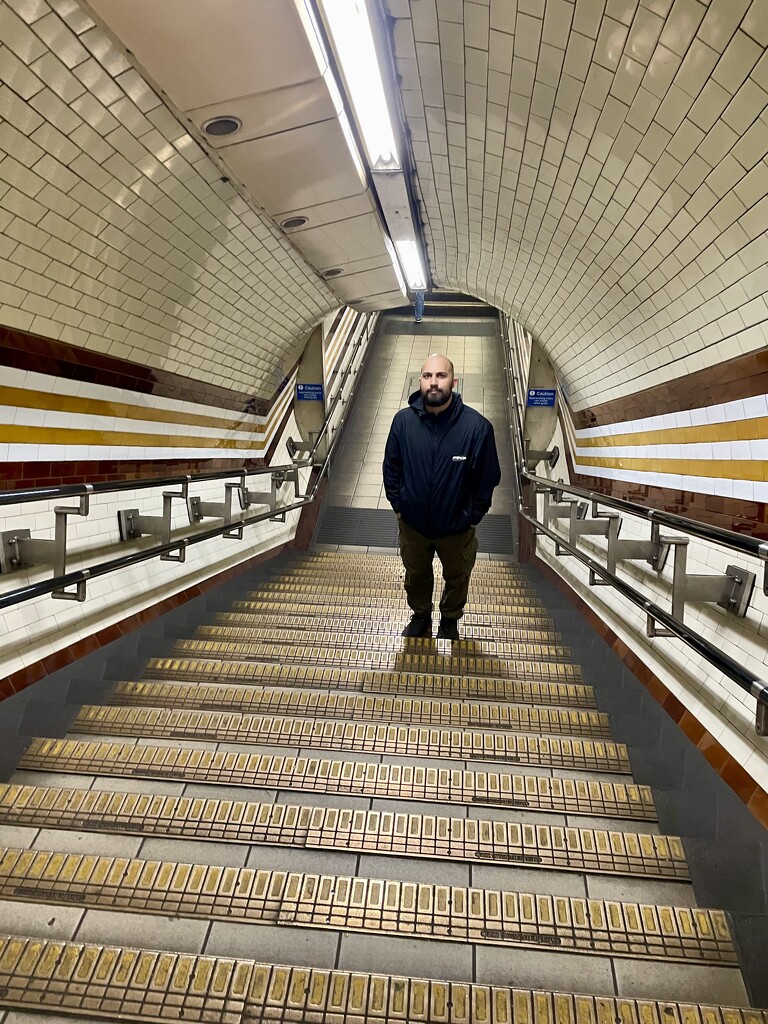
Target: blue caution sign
x=541 y=396
x=309 y=392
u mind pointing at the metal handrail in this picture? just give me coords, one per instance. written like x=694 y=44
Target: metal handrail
x=753 y=546
x=747 y=680
x=730 y=539
x=33 y=590
x=80 y=577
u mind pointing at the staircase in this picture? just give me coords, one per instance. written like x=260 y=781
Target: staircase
x=291 y=813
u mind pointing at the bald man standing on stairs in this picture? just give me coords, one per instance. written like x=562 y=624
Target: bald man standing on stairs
x=440 y=469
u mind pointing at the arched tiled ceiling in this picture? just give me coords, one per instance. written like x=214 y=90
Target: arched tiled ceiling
x=597 y=168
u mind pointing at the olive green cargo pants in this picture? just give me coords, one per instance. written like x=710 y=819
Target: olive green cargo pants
x=457 y=554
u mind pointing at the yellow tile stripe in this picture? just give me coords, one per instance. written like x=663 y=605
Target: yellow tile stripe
x=26 y=398
x=10 y=434
x=729 y=469
x=754 y=429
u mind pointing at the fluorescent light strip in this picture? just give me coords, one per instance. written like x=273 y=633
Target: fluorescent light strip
x=350 y=28
x=410 y=260
x=396 y=266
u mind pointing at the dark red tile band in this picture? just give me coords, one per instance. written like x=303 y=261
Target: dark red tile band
x=17 y=475
x=730 y=381
x=60 y=359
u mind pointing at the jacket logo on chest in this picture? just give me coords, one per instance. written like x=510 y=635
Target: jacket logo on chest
x=459 y=458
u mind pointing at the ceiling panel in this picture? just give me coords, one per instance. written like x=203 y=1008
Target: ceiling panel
x=203 y=52
x=267 y=113
x=337 y=245
x=354 y=288
x=296 y=169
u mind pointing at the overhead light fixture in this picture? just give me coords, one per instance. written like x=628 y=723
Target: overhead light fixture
x=350 y=29
x=396 y=265
x=410 y=261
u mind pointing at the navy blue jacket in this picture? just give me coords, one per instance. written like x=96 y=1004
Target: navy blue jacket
x=440 y=470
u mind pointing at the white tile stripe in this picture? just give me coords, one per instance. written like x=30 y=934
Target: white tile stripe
x=750 y=490
x=748 y=450
x=729 y=412
x=122 y=453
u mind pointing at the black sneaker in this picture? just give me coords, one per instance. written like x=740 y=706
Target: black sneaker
x=448 y=629
x=419 y=625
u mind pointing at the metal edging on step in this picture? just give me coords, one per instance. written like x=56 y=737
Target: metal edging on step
x=436 y=657
x=344 y=706
x=409 y=741
x=489 y=788
x=404 y=683
x=155 y=987
x=494 y=917
x=393 y=833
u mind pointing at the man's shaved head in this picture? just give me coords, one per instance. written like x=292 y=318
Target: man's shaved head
x=446 y=360
x=437 y=381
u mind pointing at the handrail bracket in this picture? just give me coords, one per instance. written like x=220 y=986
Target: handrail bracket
x=20 y=550
x=198 y=509
x=132 y=524
x=731 y=590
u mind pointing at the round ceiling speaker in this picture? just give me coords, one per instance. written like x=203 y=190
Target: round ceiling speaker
x=294 y=222
x=333 y=272
x=219 y=126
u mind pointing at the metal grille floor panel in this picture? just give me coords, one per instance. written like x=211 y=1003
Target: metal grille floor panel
x=394 y=833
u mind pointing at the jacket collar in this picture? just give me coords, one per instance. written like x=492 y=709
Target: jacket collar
x=416 y=402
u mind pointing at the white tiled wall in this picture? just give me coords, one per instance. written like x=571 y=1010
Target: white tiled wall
x=598 y=170
x=117 y=233
x=721 y=706
x=39 y=627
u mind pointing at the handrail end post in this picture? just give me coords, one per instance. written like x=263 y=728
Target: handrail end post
x=761 y=719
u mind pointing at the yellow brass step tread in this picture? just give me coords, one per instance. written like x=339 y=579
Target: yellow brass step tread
x=479 y=591
x=414 y=711
x=400 y=740
x=363 y=575
x=592 y=797
x=118 y=983
x=427 y=656
x=344 y=638
x=418 y=910
x=383 y=611
x=383 y=559
x=373 y=681
x=492 y=613
x=398 y=834
x=255 y=625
